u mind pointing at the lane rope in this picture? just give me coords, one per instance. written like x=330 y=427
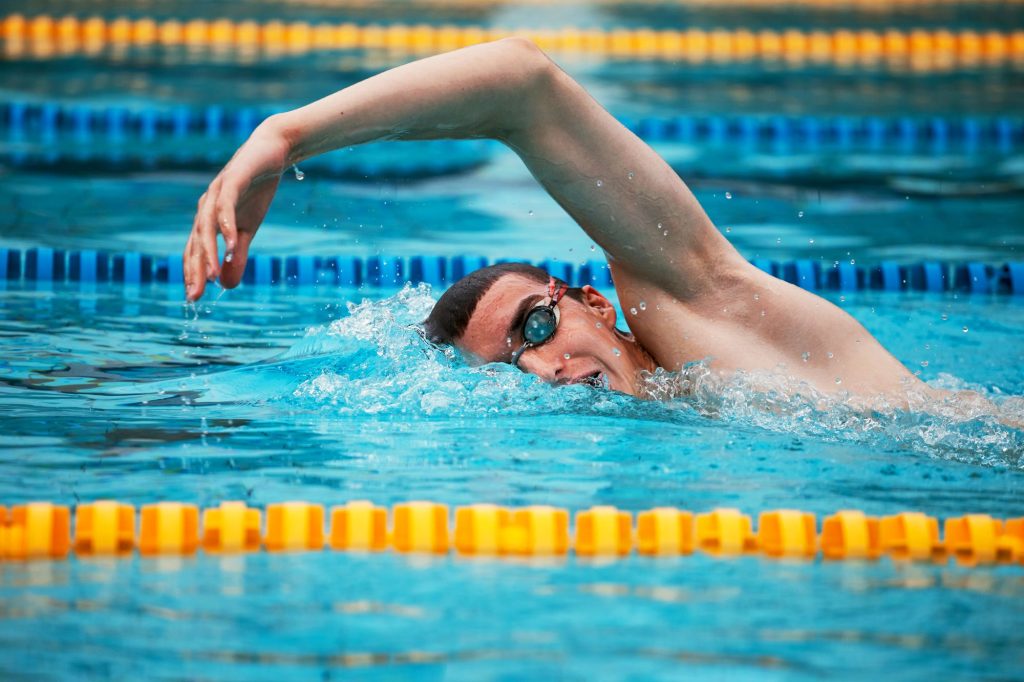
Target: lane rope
x=53 y=122
x=45 y=265
x=41 y=530
x=45 y=36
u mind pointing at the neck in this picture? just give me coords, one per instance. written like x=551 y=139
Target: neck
x=638 y=353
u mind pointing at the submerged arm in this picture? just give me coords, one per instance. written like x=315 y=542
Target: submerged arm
x=616 y=187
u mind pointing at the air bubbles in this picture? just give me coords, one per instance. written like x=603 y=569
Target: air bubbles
x=805 y=356
x=839 y=380
x=965 y=330
x=757 y=297
x=630 y=175
x=810 y=241
x=508 y=341
x=831 y=355
x=853 y=262
x=529 y=213
x=599 y=183
x=665 y=233
x=616 y=352
x=728 y=230
x=643 y=305
x=591 y=247
x=632 y=311
x=944 y=317
x=598 y=325
x=924 y=363
x=728 y=195
x=567 y=356
x=299 y=175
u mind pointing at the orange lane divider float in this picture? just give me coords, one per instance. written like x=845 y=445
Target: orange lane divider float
x=938 y=49
x=41 y=530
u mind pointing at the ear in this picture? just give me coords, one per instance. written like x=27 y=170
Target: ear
x=596 y=301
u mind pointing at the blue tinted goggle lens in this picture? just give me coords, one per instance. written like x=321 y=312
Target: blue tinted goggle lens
x=540 y=325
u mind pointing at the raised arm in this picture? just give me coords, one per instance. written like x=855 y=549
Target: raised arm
x=616 y=187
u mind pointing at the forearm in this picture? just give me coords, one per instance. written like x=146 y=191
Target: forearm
x=474 y=92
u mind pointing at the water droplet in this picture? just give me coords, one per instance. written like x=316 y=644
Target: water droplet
x=965 y=329
x=757 y=297
x=927 y=346
x=728 y=195
x=728 y=229
x=657 y=306
x=800 y=214
x=830 y=356
x=778 y=240
x=567 y=356
x=944 y=317
x=598 y=325
x=665 y=233
x=810 y=241
x=299 y=175
x=659 y=226
x=230 y=256
x=508 y=341
x=591 y=247
x=805 y=356
x=599 y=183
x=630 y=175
x=763 y=313
x=853 y=262
x=632 y=311
x=643 y=305
x=617 y=352
x=839 y=380
x=924 y=363
x=529 y=213
x=842 y=299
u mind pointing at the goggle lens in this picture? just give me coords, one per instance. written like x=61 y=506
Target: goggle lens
x=540 y=325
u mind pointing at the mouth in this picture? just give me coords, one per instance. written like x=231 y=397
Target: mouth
x=594 y=380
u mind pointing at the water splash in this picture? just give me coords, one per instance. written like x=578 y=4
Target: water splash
x=969 y=424
x=375 y=361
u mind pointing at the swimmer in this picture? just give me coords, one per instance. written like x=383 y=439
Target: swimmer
x=687 y=292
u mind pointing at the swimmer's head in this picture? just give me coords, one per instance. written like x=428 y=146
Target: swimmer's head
x=483 y=315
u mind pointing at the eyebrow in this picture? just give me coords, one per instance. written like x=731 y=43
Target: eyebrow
x=519 y=316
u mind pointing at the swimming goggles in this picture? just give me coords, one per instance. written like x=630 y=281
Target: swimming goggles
x=541 y=322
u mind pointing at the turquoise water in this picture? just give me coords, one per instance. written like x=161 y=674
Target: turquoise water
x=329 y=395
x=268 y=396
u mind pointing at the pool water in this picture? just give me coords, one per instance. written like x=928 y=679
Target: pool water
x=328 y=394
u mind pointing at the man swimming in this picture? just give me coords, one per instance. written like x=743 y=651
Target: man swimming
x=694 y=296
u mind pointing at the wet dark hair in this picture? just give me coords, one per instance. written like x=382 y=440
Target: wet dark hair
x=451 y=314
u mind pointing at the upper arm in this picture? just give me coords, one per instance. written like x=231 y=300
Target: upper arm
x=625 y=196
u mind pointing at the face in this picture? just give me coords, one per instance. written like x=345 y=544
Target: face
x=584 y=349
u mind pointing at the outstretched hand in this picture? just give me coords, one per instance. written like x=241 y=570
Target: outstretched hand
x=234 y=206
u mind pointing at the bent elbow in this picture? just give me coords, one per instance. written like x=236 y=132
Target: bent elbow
x=526 y=74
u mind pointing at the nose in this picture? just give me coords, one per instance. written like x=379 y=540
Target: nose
x=545 y=362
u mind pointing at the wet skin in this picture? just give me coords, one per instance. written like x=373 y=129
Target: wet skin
x=697 y=298
x=586 y=334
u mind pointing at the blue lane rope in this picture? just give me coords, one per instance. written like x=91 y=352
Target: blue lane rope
x=44 y=264
x=46 y=121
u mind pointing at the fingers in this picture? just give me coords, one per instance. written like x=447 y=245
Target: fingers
x=194 y=271
x=231 y=273
x=227 y=203
x=197 y=265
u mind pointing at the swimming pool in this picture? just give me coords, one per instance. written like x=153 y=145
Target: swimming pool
x=326 y=394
